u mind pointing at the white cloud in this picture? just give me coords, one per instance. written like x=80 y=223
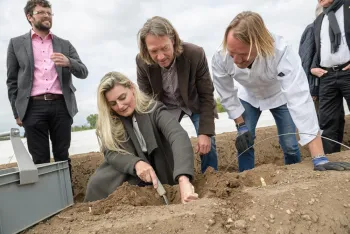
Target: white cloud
x=104 y=33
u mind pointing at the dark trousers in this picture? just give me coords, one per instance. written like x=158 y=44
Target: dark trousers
x=334 y=86
x=46 y=119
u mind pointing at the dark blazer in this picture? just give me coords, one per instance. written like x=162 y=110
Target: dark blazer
x=168 y=148
x=195 y=84
x=318 y=25
x=20 y=72
x=307 y=49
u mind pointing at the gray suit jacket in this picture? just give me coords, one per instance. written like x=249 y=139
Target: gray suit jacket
x=168 y=149
x=20 y=72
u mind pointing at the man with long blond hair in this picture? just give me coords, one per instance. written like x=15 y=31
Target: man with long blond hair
x=177 y=73
x=270 y=77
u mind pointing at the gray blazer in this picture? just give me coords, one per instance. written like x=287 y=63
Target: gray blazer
x=20 y=72
x=168 y=148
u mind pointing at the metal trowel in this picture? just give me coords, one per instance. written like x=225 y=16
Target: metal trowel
x=161 y=191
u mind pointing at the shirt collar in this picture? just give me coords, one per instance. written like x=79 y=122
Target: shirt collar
x=33 y=34
x=171 y=67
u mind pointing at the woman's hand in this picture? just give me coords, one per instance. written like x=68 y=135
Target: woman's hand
x=186 y=190
x=146 y=173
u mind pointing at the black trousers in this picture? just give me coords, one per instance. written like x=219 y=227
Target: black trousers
x=46 y=119
x=334 y=86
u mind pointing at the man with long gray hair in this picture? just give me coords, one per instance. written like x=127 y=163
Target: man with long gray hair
x=331 y=64
x=270 y=77
x=177 y=73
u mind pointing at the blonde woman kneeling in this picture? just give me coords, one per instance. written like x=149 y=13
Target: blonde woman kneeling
x=140 y=141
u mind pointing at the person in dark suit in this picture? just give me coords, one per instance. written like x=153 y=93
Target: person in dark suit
x=331 y=64
x=140 y=140
x=307 y=50
x=177 y=74
x=39 y=80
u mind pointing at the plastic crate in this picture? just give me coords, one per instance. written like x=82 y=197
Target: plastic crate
x=31 y=193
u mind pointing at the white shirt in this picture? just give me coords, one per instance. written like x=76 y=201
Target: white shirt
x=343 y=54
x=270 y=83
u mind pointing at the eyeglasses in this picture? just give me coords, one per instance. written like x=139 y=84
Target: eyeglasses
x=42 y=13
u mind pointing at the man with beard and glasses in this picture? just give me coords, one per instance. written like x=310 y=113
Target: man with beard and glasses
x=40 y=89
x=331 y=65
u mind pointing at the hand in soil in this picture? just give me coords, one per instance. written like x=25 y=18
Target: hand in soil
x=146 y=173
x=321 y=163
x=244 y=139
x=337 y=166
x=186 y=190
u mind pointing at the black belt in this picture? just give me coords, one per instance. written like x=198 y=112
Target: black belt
x=336 y=68
x=48 y=97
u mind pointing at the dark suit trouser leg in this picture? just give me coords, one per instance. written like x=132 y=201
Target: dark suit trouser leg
x=331 y=109
x=60 y=126
x=341 y=124
x=36 y=126
x=344 y=83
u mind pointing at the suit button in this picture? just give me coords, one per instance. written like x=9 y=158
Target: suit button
x=27 y=97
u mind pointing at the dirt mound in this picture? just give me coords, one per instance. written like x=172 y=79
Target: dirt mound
x=83 y=166
x=292 y=199
x=211 y=184
x=271 y=198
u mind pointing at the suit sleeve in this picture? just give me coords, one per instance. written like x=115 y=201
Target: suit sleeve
x=178 y=140
x=307 y=49
x=142 y=77
x=12 y=77
x=123 y=162
x=78 y=68
x=316 y=58
x=205 y=91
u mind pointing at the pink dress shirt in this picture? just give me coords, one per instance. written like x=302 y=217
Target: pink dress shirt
x=45 y=74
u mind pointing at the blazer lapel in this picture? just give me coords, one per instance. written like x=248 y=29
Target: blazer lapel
x=130 y=130
x=29 y=48
x=57 y=48
x=183 y=70
x=347 y=21
x=156 y=81
x=318 y=25
x=146 y=128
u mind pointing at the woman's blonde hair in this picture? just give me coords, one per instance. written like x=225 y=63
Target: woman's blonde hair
x=157 y=26
x=249 y=28
x=109 y=128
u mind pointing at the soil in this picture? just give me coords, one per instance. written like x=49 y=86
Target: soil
x=271 y=198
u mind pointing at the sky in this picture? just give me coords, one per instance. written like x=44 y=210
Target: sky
x=104 y=35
